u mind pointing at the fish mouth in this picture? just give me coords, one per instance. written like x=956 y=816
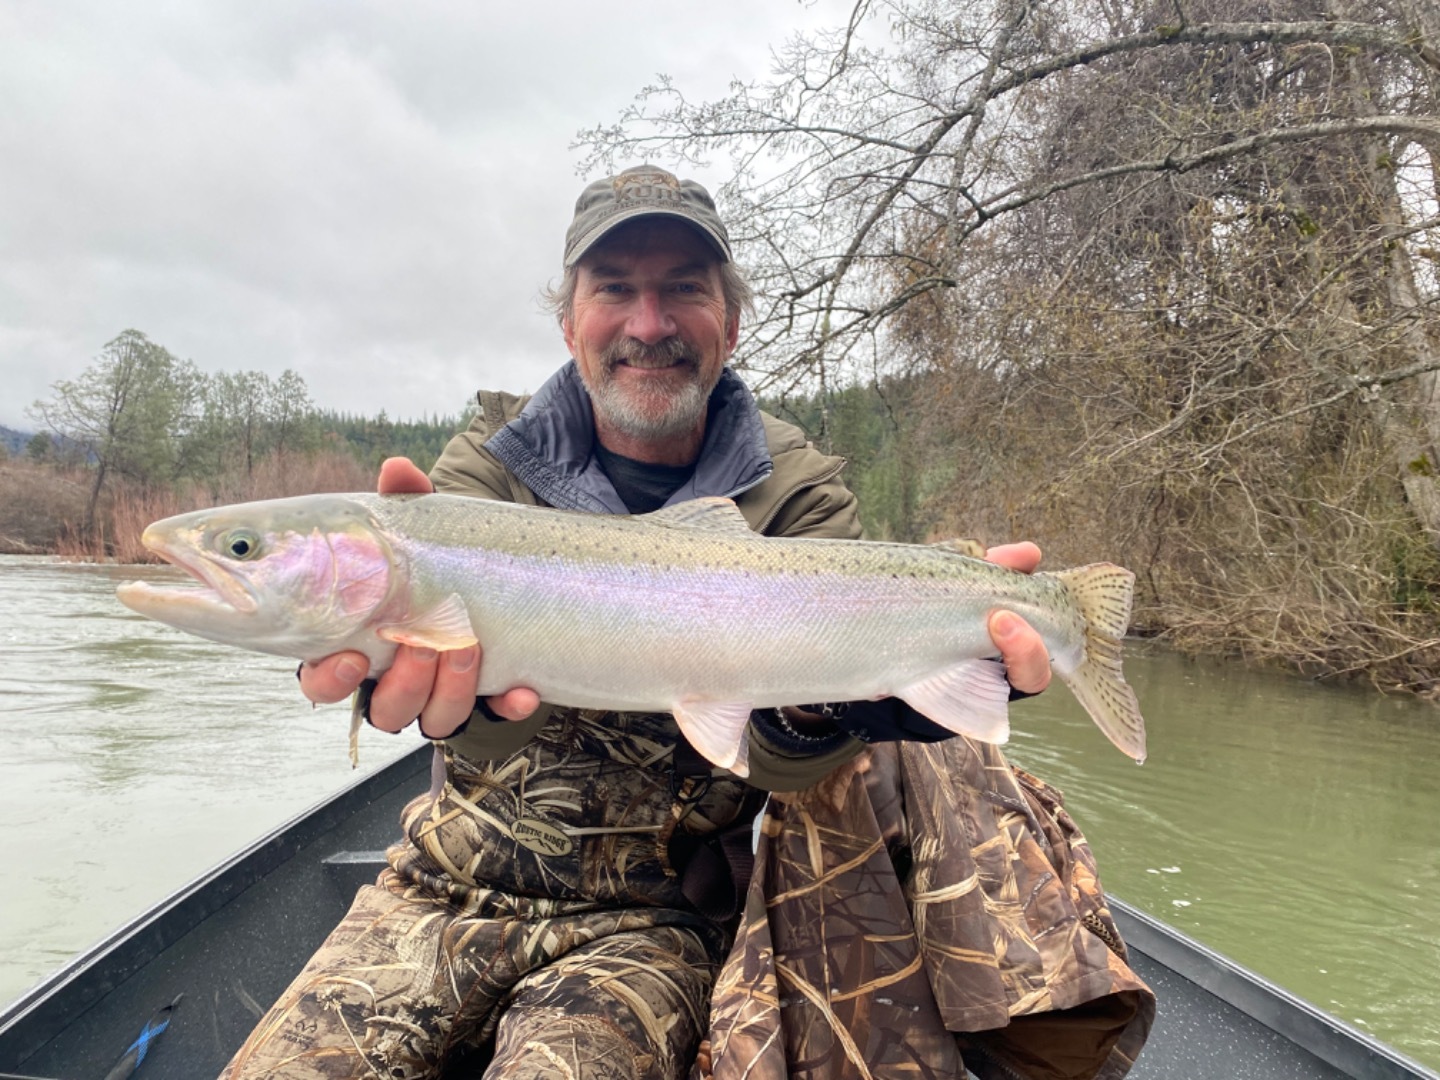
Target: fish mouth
x=218 y=587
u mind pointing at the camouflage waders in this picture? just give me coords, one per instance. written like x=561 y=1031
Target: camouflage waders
x=578 y=956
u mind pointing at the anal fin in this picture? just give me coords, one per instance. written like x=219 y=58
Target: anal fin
x=719 y=730
x=969 y=698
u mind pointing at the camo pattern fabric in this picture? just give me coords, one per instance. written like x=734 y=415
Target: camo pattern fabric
x=596 y=805
x=577 y=957
x=410 y=985
x=925 y=909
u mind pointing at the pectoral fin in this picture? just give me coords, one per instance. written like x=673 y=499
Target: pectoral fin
x=969 y=698
x=444 y=626
x=719 y=730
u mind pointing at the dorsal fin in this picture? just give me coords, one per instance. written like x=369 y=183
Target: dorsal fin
x=713 y=513
x=971 y=549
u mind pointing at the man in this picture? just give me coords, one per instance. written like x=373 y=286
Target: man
x=571 y=884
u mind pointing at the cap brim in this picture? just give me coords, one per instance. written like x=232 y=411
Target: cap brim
x=591 y=238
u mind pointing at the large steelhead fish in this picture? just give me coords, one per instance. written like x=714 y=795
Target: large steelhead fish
x=684 y=610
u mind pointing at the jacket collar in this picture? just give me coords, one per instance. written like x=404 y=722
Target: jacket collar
x=549 y=446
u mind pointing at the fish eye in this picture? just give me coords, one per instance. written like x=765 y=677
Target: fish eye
x=240 y=544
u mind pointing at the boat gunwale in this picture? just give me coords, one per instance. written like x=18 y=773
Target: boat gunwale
x=47 y=1008
x=1354 y=1052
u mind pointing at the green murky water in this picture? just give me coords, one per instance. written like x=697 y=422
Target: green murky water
x=1285 y=824
x=1288 y=825
x=133 y=758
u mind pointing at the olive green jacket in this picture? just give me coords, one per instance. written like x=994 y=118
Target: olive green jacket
x=801 y=497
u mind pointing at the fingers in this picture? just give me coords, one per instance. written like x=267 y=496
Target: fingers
x=452 y=696
x=1027 y=661
x=438 y=688
x=333 y=678
x=515 y=704
x=401 y=476
x=1023 y=556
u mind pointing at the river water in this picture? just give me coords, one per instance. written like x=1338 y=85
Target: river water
x=134 y=757
x=1284 y=824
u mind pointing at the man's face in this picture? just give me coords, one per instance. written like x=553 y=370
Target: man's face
x=648 y=329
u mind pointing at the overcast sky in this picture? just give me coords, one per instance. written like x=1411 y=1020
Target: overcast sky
x=369 y=193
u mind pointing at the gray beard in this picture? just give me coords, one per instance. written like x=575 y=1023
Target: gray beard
x=659 y=415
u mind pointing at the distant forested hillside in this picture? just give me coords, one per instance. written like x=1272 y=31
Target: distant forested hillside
x=14 y=441
x=141 y=433
x=371 y=439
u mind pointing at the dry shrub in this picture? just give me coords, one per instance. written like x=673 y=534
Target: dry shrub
x=131 y=511
x=40 y=506
x=278 y=477
x=1328 y=574
x=36 y=502
x=1294 y=547
x=77 y=545
x=281 y=476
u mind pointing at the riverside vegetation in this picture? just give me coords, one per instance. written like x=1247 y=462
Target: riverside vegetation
x=142 y=435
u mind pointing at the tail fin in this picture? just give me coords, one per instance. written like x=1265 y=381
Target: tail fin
x=1103 y=593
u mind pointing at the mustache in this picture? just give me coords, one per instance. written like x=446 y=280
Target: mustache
x=669 y=351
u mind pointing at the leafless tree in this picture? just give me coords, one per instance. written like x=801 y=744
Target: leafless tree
x=1167 y=270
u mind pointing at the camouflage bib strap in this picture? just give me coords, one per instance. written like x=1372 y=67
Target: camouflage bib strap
x=714 y=870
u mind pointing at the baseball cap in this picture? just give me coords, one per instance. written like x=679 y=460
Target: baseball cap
x=642 y=191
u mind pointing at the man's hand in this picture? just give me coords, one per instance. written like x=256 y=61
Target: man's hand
x=1027 y=661
x=437 y=688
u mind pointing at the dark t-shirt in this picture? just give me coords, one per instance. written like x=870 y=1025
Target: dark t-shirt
x=642 y=487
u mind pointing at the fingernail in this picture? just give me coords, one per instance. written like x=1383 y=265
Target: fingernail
x=349 y=671
x=462 y=659
x=419 y=652
x=1005 y=624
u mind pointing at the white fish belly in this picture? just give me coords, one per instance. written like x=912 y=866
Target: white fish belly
x=647 y=637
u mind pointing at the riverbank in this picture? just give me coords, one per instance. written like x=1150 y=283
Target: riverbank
x=1278 y=821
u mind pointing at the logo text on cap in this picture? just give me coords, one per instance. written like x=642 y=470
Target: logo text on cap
x=647 y=186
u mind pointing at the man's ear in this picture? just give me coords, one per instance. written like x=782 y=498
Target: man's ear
x=568 y=331
x=732 y=332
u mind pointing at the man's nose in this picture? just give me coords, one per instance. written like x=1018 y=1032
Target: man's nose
x=649 y=321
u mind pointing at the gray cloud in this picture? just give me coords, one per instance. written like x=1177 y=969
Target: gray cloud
x=369 y=193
